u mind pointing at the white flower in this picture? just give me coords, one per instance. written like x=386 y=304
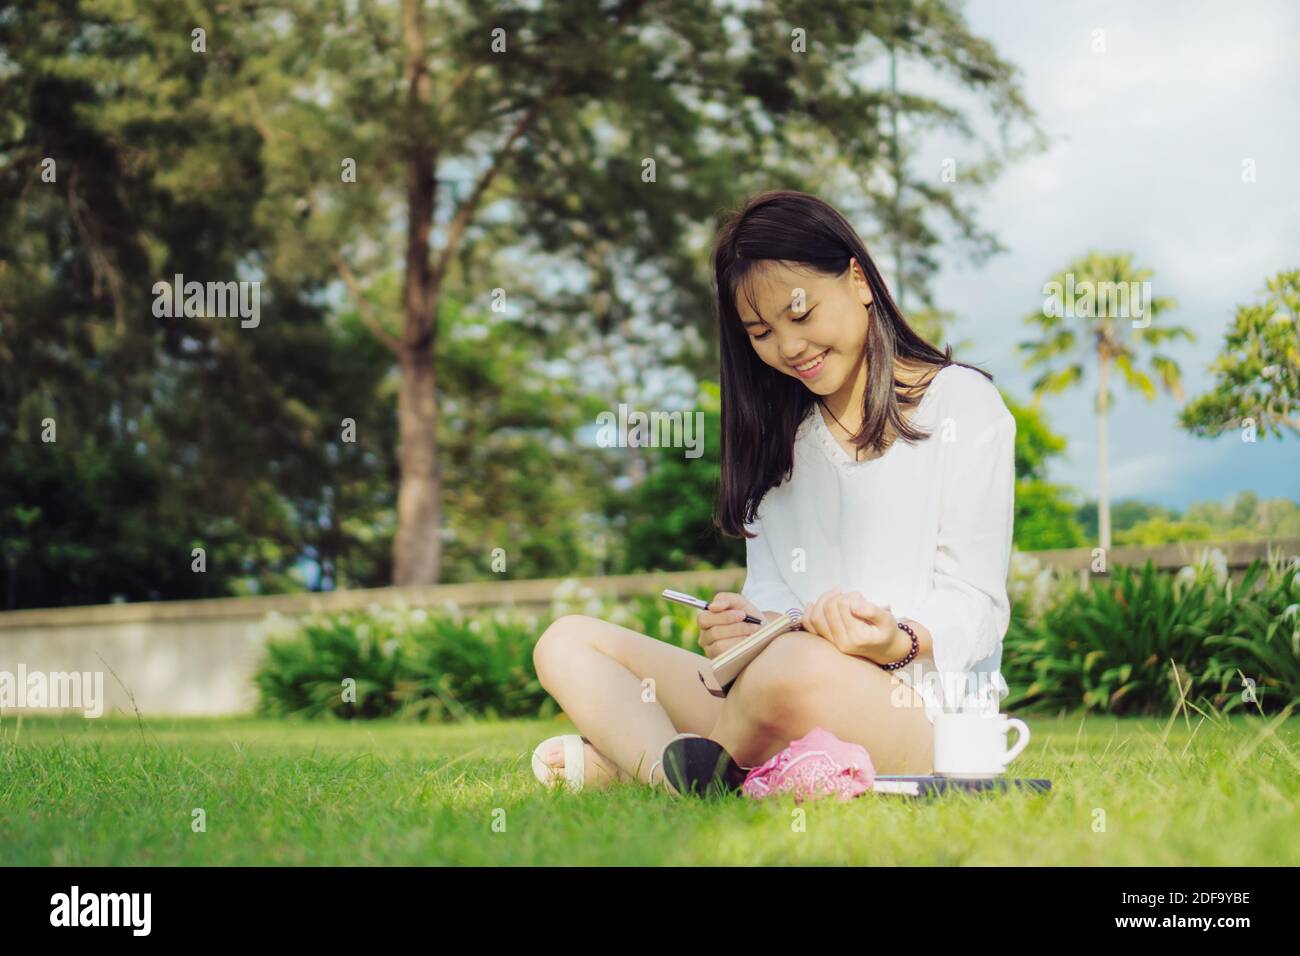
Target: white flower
x=1217 y=561
x=1024 y=564
x=1044 y=587
x=565 y=589
x=1184 y=579
x=276 y=625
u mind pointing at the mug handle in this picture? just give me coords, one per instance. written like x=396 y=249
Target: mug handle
x=1022 y=740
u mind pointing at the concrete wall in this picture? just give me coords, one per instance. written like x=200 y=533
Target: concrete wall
x=198 y=657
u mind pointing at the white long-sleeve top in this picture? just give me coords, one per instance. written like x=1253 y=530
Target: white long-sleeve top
x=925 y=528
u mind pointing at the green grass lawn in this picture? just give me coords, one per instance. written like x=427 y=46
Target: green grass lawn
x=105 y=792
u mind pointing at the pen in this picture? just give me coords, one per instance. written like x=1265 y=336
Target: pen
x=692 y=601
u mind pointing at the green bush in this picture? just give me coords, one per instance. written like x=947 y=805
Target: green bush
x=458 y=669
x=434 y=665
x=1113 y=647
x=1265 y=636
x=405 y=663
x=1110 y=647
x=304 y=669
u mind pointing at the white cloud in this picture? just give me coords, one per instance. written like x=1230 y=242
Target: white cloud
x=1142 y=477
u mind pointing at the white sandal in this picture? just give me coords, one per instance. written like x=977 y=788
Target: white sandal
x=575 y=762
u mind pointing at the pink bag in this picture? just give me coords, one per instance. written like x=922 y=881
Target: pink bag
x=817 y=764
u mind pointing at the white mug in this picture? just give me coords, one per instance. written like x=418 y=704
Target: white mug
x=975 y=744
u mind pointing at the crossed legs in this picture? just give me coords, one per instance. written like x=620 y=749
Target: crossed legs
x=629 y=694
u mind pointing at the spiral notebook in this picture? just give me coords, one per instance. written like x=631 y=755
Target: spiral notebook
x=727 y=668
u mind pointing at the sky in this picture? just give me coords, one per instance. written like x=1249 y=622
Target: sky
x=1148 y=138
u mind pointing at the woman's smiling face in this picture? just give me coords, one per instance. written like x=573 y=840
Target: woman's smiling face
x=808 y=326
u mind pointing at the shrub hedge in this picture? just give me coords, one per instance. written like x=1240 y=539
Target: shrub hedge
x=1136 y=641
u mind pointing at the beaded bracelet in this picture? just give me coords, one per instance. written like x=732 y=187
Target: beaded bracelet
x=910 y=654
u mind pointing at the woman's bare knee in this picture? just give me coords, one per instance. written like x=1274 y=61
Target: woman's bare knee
x=772 y=692
x=808 y=683
x=669 y=674
x=565 y=636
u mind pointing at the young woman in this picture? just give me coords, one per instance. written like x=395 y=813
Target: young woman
x=872 y=478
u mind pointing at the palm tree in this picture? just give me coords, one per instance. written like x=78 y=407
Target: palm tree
x=1100 y=307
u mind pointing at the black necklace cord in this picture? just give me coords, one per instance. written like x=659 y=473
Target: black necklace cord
x=840 y=423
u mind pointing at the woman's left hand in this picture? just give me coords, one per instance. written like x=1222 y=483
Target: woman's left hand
x=852 y=623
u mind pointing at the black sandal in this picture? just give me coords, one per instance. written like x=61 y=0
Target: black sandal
x=700 y=766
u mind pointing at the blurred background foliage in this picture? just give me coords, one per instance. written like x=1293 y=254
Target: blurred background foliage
x=573 y=286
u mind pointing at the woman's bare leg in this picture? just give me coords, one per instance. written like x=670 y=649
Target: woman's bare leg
x=802 y=681
x=629 y=694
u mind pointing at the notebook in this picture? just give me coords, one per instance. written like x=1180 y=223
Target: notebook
x=727 y=667
x=929 y=786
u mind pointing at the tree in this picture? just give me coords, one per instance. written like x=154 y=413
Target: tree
x=671 y=526
x=515 y=474
x=165 y=434
x=600 y=140
x=1124 y=514
x=1247 y=516
x=1257 y=374
x=1100 y=308
x=1044 y=516
x=375 y=166
x=1244 y=517
x=1157 y=531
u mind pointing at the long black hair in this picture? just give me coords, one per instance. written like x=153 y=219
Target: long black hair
x=763 y=408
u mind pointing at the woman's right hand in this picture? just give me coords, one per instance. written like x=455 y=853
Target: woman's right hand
x=724 y=624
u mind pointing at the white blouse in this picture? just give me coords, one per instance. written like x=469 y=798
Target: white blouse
x=925 y=528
